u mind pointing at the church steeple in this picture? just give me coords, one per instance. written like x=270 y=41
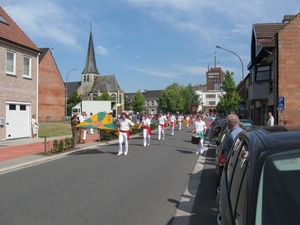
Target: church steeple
x=90 y=64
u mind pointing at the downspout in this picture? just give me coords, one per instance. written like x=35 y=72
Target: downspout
x=276 y=79
x=37 y=86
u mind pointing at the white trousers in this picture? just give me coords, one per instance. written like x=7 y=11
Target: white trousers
x=84 y=134
x=123 y=137
x=179 y=125
x=91 y=130
x=161 y=132
x=146 y=137
x=199 y=147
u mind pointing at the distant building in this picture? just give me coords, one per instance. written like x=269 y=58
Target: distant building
x=151 y=106
x=93 y=84
x=214 y=78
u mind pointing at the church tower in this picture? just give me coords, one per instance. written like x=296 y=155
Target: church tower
x=90 y=71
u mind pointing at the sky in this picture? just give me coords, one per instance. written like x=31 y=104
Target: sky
x=147 y=44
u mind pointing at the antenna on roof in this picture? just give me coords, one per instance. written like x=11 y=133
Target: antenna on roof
x=215 y=59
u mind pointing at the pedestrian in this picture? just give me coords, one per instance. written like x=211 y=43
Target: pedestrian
x=91 y=129
x=146 y=122
x=81 y=130
x=199 y=128
x=233 y=125
x=270 y=120
x=172 y=121
x=180 y=119
x=161 y=122
x=34 y=126
x=75 y=130
x=187 y=119
x=124 y=131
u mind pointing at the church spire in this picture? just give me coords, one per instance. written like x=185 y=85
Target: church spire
x=90 y=63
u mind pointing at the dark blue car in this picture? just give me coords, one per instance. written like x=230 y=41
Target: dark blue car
x=260 y=182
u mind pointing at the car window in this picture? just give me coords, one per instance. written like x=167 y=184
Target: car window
x=233 y=159
x=239 y=183
x=245 y=124
x=278 y=199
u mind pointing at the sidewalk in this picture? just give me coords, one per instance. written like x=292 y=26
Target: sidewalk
x=23 y=152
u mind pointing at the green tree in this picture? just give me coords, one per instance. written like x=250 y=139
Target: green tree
x=171 y=99
x=138 y=102
x=103 y=97
x=72 y=101
x=229 y=102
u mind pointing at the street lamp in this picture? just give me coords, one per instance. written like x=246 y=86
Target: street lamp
x=67 y=89
x=237 y=56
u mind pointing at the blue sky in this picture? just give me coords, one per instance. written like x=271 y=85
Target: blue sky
x=147 y=44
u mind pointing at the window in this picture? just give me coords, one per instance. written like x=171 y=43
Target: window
x=152 y=103
x=27 y=66
x=11 y=63
x=12 y=107
x=120 y=98
x=263 y=73
x=212 y=103
x=22 y=107
x=211 y=96
x=113 y=97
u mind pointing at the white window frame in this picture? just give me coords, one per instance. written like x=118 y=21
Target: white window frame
x=13 y=70
x=29 y=67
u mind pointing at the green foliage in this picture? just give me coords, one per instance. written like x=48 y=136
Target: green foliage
x=126 y=103
x=55 y=146
x=172 y=99
x=229 y=102
x=138 y=102
x=72 y=101
x=103 y=97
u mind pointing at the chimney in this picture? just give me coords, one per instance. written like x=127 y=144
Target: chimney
x=288 y=18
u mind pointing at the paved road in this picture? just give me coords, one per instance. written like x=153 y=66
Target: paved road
x=94 y=186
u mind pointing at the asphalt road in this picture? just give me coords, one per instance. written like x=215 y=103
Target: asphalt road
x=95 y=186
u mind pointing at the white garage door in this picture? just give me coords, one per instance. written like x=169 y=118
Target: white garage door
x=18 y=120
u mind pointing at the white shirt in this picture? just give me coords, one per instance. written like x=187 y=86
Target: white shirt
x=146 y=122
x=199 y=126
x=180 y=118
x=162 y=119
x=125 y=124
x=270 y=121
x=172 y=119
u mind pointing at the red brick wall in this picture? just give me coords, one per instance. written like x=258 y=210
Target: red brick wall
x=289 y=70
x=51 y=91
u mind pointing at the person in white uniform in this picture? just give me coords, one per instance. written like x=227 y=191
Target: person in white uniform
x=146 y=122
x=199 y=128
x=124 y=131
x=172 y=120
x=180 y=119
x=161 y=121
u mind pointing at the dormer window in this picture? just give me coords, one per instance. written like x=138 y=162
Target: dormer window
x=2 y=20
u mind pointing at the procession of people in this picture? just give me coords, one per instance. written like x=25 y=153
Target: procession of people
x=126 y=121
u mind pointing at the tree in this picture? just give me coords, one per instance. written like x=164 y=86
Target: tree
x=229 y=102
x=138 y=102
x=72 y=101
x=103 y=97
x=171 y=99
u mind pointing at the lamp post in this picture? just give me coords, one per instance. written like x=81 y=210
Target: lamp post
x=67 y=89
x=237 y=56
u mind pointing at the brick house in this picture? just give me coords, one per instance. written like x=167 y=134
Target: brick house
x=51 y=101
x=19 y=58
x=274 y=69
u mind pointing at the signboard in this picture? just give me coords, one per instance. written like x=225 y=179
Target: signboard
x=242 y=107
x=280 y=103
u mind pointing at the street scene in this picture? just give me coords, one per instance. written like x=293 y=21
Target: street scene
x=163 y=183
x=161 y=112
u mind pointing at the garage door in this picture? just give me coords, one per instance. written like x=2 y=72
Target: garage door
x=18 y=120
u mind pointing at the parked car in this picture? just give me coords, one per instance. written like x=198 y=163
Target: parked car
x=220 y=158
x=260 y=181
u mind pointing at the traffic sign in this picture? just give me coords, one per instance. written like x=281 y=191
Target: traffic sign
x=280 y=103
x=242 y=107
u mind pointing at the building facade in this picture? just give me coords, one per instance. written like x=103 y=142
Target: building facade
x=19 y=80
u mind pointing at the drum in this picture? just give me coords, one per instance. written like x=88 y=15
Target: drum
x=195 y=139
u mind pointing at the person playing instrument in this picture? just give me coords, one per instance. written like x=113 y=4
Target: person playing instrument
x=199 y=127
x=172 y=120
